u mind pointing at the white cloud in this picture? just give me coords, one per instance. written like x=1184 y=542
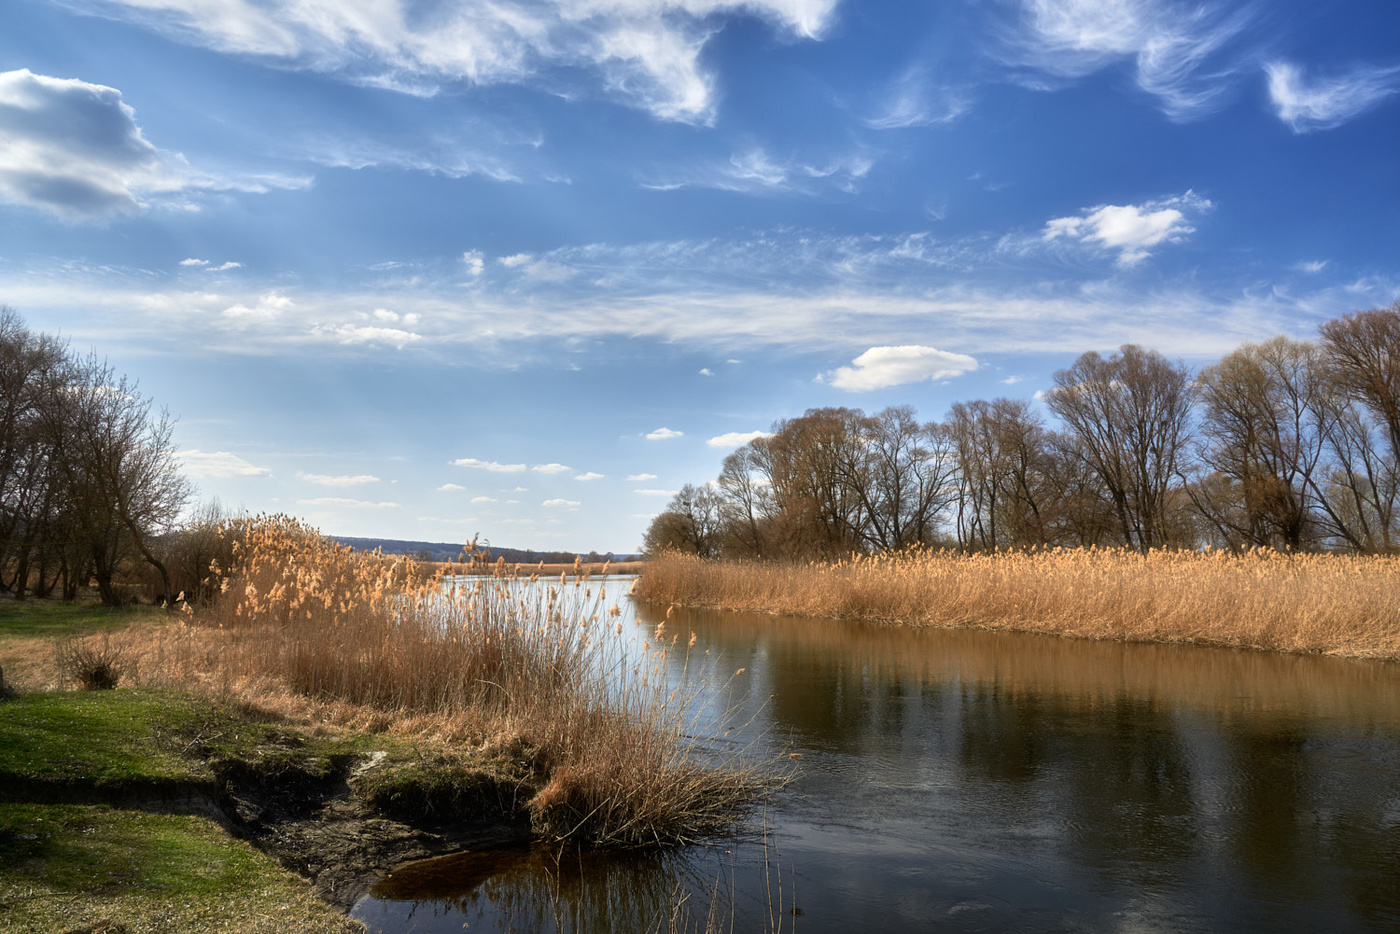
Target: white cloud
x=915 y=100
x=551 y=468
x=326 y=480
x=342 y=501
x=1131 y=229
x=706 y=371
x=483 y=499
x=663 y=434
x=369 y=334
x=74 y=149
x=192 y=261
x=450 y=488
x=1327 y=102
x=475 y=262
x=656 y=492
x=492 y=466
x=224 y=267
x=590 y=476
x=516 y=259
x=646 y=54
x=641 y=477
x=734 y=439
x=561 y=504
x=1012 y=380
x=880 y=367
x=219 y=464
x=268 y=306
x=1169 y=42
x=1311 y=267
x=756 y=171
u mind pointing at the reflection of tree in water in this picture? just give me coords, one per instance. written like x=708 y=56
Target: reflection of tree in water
x=567 y=889
x=1131 y=804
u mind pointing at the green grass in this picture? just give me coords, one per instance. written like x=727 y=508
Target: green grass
x=70 y=867
x=102 y=738
x=37 y=619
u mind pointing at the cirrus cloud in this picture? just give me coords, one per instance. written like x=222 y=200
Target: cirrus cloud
x=648 y=55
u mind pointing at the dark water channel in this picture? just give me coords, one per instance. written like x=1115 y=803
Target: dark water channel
x=967 y=781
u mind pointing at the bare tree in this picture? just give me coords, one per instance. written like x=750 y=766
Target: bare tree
x=121 y=480
x=1262 y=442
x=690 y=524
x=1130 y=414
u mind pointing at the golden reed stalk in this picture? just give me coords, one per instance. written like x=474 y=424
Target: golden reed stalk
x=1346 y=605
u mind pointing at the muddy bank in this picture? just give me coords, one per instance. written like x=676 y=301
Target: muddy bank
x=342 y=822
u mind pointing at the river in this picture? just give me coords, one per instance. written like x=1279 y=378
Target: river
x=967 y=781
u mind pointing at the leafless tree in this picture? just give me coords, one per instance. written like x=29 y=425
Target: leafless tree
x=1130 y=415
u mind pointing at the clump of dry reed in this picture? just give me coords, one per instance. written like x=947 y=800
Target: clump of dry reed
x=1315 y=603
x=513 y=664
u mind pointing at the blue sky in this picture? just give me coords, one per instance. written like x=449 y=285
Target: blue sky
x=523 y=268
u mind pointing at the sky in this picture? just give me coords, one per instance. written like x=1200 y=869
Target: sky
x=519 y=269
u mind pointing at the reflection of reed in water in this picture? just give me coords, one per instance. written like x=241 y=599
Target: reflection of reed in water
x=574 y=889
x=799 y=659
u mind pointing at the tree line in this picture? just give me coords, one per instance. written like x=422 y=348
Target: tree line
x=1287 y=444
x=89 y=482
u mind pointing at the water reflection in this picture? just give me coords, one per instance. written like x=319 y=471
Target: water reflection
x=961 y=781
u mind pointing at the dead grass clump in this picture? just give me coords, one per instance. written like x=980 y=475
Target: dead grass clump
x=96 y=663
x=535 y=662
x=1318 y=603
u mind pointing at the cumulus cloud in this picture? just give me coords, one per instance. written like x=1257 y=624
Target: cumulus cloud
x=734 y=439
x=663 y=434
x=880 y=367
x=475 y=262
x=641 y=477
x=1325 y=103
x=1169 y=43
x=648 y=55
x=327 y=480
x=491 y=466
x=219 y=464
x=1131 y=229
x=561 y=504
x=74 y=149
x=450 y=488
x=586 y=477
x=551 y=468
x=483 y=499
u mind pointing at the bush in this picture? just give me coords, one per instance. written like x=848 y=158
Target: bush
x=96 y=663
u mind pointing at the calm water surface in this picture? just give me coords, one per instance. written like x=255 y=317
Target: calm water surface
x=967 y=781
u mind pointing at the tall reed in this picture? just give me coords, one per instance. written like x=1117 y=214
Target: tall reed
x=1316 y=603
x=515 y=664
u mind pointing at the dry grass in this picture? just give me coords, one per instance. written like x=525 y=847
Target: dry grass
x=510 y=664
x=1328 y=604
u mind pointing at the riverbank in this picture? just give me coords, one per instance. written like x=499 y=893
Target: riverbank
x=332 y=717
x=1340 y=605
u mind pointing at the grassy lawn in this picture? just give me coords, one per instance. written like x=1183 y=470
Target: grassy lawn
x=37 y=619
x=100 y=869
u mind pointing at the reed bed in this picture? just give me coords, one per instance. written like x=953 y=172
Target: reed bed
x=519 y=668
x=1346 y=605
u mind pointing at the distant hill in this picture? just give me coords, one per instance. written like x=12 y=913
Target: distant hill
x=450 y=551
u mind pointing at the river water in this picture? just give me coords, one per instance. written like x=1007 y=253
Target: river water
x=968 y=781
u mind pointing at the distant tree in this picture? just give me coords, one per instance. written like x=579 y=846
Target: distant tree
x=690 y=524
